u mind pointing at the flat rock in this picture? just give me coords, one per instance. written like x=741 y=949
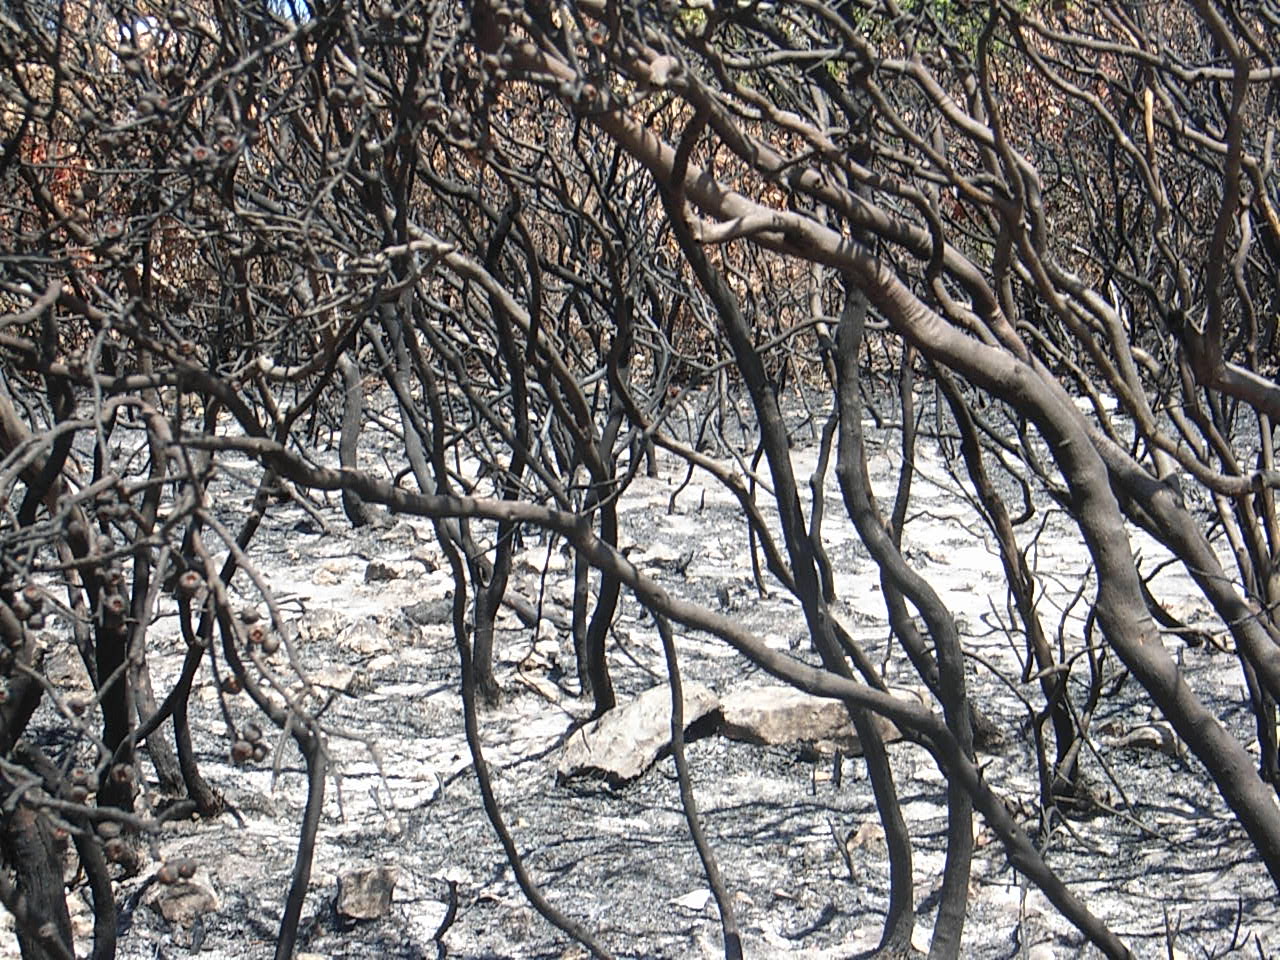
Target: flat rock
x=368 y=636
x=427 y=557
x=695 y=901
x=776 y=715
x=625 y=742
x=379 y=572
x=334 y=676
x=182 y=903
x=430 y=613
x=1151 y=736
x=365 y=893
x=322 y=625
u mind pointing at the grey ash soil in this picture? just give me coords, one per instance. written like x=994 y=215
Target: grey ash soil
x=620 y=862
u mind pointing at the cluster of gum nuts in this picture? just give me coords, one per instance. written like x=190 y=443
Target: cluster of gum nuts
x=249 y=746
x=180 y=868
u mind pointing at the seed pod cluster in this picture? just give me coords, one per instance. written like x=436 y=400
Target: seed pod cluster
x=116 y=849
x=27 y=605
x=114 y=606
x=179 y=868
x=262 y=637
x=189 y=584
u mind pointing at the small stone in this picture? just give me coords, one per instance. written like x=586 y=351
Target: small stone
x=365 y=894
x=869 y=833
x=1152 y=736
x=367 y=636
x=379 y=572
x=337 y=677
x=921 y=938
x=327 y=576
x=695 y=901
x=430 y=613
x=425 y=557
x=420 y=788
x=183 y=902
x=322 y=625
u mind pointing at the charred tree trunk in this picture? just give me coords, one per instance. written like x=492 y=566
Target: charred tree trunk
x=34 y=858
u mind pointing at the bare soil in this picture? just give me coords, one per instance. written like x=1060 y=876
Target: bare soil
x=1170 y=870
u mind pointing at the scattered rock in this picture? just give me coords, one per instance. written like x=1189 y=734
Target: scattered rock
x=695 y=901
x=921 y=938
x=336 y=676
x=64 y=666
x=330 y=573
x=367 y=636
x=1152 y=736
x=365 y=894
x=430 y=613
x=666 y=560
x=426 y=557
x=419 y=789
x=379 y=572
x=393 y=529
x=775 y=715
x=536 y=680
x=869 y=833
x=540 y=561
x=182 y=903
x=321 y=625
x=624 y=743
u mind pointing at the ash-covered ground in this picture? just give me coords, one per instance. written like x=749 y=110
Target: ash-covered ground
x=1170 y=870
